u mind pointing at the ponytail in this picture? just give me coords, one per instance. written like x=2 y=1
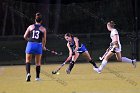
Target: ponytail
x=38 y=17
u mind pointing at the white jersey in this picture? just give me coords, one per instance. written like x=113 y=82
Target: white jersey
x=112 y=34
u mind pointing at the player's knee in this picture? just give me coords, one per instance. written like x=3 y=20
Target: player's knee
x=27 y=62
x=106 y=58
x=119 y=60
x=72 y=62
x=89 y=59
x=38 y=63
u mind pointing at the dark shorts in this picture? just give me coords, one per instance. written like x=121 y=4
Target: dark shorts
x=33 y=48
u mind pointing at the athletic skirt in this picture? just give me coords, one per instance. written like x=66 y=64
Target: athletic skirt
x=34 y=48
x=82 y=49
x=117 y=49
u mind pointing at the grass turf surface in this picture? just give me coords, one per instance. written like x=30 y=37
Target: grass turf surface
x=115 y=78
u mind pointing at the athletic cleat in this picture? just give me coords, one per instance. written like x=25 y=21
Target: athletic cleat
x=37 y=79
x=134 y=63
x=28 y=77
x=68 y=71
x=97 y=70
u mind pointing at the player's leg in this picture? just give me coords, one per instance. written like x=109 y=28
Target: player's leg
x=107 y=50
x=118 y=56
x=104 y=62
x=87 y=55
x=38 y=66
x=72 y=62
x=29 y=52
x=125 y=59
x=28 y=60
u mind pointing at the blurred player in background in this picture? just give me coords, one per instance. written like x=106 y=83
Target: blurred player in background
x=115 y=49
x=75 y=49
x=36 y=37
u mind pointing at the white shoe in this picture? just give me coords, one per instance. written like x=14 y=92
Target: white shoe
x=97 y=70
x=28 y=77
x=134 y=63
x=37 y=79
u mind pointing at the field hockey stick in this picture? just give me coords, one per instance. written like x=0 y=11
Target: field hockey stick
x=55 y=71
x=101 y=58
x=54 y=52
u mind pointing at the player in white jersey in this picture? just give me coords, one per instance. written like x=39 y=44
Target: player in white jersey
x=115 y=49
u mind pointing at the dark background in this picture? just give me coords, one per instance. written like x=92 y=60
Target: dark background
x=75 y=16
x=84 y=18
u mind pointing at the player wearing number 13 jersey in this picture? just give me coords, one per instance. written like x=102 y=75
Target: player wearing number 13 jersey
x=36 y=37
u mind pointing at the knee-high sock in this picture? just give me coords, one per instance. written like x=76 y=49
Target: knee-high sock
x=103 y=64
x=71 y=65
x=37 y=71
x=93 y=63
x=27 y=68
x=125 y=59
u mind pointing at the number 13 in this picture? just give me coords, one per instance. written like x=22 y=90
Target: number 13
x=35 y=34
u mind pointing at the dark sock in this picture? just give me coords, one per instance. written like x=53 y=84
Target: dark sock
x=28 y=68
x=71 y=65
x=37 y=71
x=93 y=63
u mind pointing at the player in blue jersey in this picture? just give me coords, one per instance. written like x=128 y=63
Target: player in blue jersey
x=36 y=37
x=75 y=49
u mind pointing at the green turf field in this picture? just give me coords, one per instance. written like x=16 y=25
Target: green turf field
x=115 y=78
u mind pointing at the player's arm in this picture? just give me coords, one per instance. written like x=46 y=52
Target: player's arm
x=76 y=40
x=44 y=39
x=70 y=52
x=27 y=33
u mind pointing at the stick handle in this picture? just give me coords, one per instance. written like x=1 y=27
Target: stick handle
x=60 y=66
x=101 y=58
x=54 y=52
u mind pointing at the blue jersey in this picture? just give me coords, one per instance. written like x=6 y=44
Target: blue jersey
x=36 y=35
x=72 y=44
x=81 y=48
x=34 y=45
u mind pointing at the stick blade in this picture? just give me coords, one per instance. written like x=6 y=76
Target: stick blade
x=100 y=58
x=54 y=72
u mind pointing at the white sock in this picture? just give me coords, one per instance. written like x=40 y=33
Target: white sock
x=104 y=62
x=125 y=59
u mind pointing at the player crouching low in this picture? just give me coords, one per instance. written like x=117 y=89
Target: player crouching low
x=75 y=49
